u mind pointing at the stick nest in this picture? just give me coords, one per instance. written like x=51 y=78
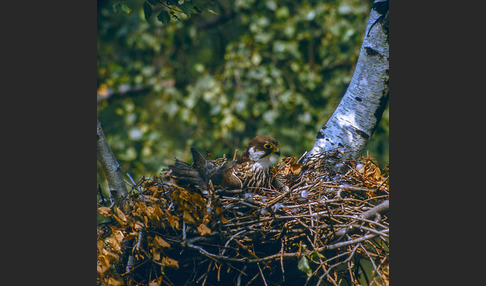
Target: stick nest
x=321 y=228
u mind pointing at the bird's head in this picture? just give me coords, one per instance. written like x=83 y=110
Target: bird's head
x=260 y=148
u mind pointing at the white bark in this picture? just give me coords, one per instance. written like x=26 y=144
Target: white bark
x=360 y=110
x=110 y=167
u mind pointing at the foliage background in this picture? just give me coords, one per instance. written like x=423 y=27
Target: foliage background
x=227 y=73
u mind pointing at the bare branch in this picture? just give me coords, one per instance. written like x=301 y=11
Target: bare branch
x=378 y=210
x=353 y=241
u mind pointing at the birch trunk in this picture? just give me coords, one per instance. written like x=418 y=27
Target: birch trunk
x=361 y=108
x=111 y=167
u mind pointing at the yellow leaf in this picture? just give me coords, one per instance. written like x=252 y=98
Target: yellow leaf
x=105 y=211
x=158 y=212
x=114 y=282
x=115 y=240
x=188 y=217
x=100 y=245
x=105 y=260
x=121 y=215
x=197 y=199
x=173 y=220
x=184 y=195
x=156 y=282
x=137 y=226
x=155 y=254
x=150 y=212
x=296 y=168
x=224 y=220
x=153 y=189
x=203 y=229
x=170 y=262
x=160 y=241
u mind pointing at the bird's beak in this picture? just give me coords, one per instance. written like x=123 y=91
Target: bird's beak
x=277 y=152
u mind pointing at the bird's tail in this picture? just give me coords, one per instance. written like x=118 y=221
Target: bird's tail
x=195 y=174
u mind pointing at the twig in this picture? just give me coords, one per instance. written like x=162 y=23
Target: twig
x=131 y=258
x=370 y=259
x=253 y=279
x=238 y=280
x=353 y=241
x=184 y=235
x=281 y=260
x=231 y=238
x=261 y=273
x=207 y=272
x=277 y=199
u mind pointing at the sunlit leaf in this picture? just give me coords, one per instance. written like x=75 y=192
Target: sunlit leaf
x=315 y=256
x=170 y=262
x=160 y=241
x=212 y=11
x=115 y=282
x=203 y=229
x=105 y=211
x=296 y=168
x=188 y=218
x=121 y=215
x=115 y=240
x=155 y=253
x=173 y=220
x=303 y=266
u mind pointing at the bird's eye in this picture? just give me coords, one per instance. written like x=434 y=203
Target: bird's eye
x=267 y=146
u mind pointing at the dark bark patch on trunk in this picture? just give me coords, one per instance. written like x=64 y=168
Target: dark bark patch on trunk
x=372 y=52
x=363 y=134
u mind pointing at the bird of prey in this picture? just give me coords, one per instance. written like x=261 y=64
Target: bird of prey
x=252 y=170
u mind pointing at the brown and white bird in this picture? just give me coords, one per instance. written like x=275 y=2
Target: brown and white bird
x=251 y=170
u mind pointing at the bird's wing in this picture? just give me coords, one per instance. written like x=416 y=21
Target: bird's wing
x=225 y=177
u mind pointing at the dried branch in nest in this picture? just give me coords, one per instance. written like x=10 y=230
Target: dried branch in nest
x=323 y=227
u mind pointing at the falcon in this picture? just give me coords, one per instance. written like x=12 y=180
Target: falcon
x=252 y=170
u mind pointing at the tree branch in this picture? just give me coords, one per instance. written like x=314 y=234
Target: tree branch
x=111 y=167
x=361 y=108
x=377 y=210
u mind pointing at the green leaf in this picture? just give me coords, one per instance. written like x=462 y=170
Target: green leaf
x=147 y=11
x=303 y=266
x=187 y=8
x=125 y=9
x=212 y=12
x=116 y=7
x=316 y=255
x=164 y=17
x=153 y=2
